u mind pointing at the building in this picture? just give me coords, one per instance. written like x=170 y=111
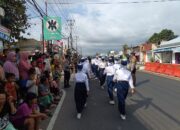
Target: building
x=169 y=51
x=4 y=32
x=146 y=52
x=29 y=45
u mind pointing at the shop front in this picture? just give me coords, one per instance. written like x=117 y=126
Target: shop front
x=177 y=55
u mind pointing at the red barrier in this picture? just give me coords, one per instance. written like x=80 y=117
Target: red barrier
x=162 y=68
x=170 y=69
x=177 y=71
x=147 y=66
x=155 y=67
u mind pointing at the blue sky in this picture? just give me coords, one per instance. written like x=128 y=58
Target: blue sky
x=102 y=28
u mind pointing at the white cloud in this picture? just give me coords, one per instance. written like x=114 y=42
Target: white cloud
x=105 y=27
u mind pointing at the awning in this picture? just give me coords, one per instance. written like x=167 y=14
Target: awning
x=175 y=50
x=163 y=49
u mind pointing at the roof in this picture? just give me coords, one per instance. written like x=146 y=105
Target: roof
x=173 y=42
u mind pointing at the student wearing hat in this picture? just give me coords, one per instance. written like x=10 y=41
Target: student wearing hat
x=123 y=81
x=109 y=71
x=86 y=67
x=102 y=76
x=81 y=90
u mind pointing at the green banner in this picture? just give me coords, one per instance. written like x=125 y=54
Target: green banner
x=52 y=28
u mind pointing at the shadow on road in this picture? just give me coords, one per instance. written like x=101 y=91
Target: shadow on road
x=140 y=83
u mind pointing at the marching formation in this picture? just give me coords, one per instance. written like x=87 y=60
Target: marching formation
x=116 y=74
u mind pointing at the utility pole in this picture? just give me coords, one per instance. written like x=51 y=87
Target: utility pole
x=76 y=43
x=43 y=28
x=71 y=24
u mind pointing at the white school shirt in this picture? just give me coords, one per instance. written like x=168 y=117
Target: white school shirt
x=82 y=77
x=109 y=70
x=102 y=65
x=86 y=68
x=123 y=74
x=116 y=67
x=93 y=61
x=96 y=61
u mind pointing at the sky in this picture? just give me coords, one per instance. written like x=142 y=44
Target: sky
x=101 y=27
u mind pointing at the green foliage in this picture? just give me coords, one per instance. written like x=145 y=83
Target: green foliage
x=152 y=59
x=15 y=18
x=165 y=35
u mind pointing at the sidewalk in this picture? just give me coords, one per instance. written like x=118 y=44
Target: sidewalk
x=49 y=123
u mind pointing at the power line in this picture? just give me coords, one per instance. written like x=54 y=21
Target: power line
x=120 y=2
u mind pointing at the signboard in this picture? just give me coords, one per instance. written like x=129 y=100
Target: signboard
x=4 y=33
x=52 y=28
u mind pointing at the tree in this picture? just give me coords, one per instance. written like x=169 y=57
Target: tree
x=15 y=18
x=165 y=35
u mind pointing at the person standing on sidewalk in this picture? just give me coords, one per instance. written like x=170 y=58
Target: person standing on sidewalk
x=123 y=80
x=133 y=67
x=81 y=90
x=109 y=71
x=67 y=74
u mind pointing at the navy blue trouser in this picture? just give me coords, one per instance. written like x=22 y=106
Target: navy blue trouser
x=102 y=77
x=122 y=91
x=80 y=95
x=93 y=68
x=96 y=71
x=110 y=85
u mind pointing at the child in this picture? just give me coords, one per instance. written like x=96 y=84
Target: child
x=27 y=114
x=46 y=99
x=54 y=87
x=81 y=90
x=32 y=82
x=11 y=87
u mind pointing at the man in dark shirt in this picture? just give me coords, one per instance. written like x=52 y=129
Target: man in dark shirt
x=67 y=74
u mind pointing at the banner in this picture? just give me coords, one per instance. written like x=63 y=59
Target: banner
x=52 y=28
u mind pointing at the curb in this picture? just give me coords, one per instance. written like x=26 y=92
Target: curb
x=55 y=115
x=161 y=75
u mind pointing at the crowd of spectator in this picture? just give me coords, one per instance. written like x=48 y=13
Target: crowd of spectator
x=29 y=88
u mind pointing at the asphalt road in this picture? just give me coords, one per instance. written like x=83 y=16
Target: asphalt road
x=155 y=106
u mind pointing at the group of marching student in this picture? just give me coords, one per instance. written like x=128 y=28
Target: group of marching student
x=111 y=72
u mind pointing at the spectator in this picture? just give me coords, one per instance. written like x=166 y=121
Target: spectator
x=17 y=55
x=2 y=75
x=32 y=82
x=11 y=87
x=24 y=66
x=28 y=114
x=7 y=108
x=3 y=56
x=45 y=98
x=54 y=87
x=33 y=64
x=10 y=65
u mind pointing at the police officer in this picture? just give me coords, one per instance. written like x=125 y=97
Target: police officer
x=123 y=80
x=81 y=90
x=109 y=71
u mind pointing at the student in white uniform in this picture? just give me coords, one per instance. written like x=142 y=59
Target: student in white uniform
x=102 y=76
x=109 y=71
x=123 y=80
x=86 y=67
x=81 y=90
